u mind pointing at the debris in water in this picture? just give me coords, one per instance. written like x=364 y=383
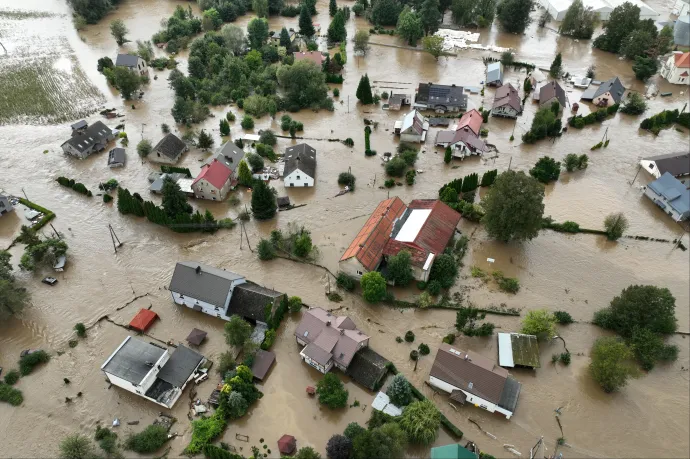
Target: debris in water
x=116 y=422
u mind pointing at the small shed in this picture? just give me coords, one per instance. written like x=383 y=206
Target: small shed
x=518 y=350
x=196 y=336
x=283 y=202
x=263 y=361
x=287 y=444
x=383 y=403
x=143 y=320
x=453 y=451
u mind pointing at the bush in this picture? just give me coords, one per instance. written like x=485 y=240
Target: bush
x=539 y=322
x=611 y=364
x=106 y=439
x=565 y=358
x=433 y=287
x=563 y=317
x=421 y=420
x=331 y=391
x=150 y=440
x=346 y=282
x=12 y=377
x=399 y=391
x=546 y=170
x=29 y=361
x=424 y=349
x=269 y=339
x=396 y=167
x=10 y=395
x=449 y=339
x=266 y=250
x=353 y=430
x=409 y=336
x=81 y=330
x=347 y=179
x=414 y=354
x=410 y=176
x=247 y=122
x=76 y=447
x=107 y=198
x=615 y=225
x=373 y=287
x=390 y=183
x=425 y=300
x=204 y=431
x=295 y=304
x=507 y=284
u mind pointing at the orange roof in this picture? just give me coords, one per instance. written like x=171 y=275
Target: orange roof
x=315 y=56
x=143 y=320
x=682 y=60
x=368 y=245
x=473 y=119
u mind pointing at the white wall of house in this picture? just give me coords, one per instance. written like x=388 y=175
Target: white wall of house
x=352 y=267
x=662 y=202
x=159 y=157
x=505 y=110
x=207 y=308
x=460 y=150
x=297 y=178
x=203 y=189
x=672 y=73
x=604 y=100
x=410 y=137
x=319 y=367
x=547 y=103
x=471 y=398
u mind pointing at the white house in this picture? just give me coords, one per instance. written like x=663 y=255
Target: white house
x=5 y=205
x=88 y=141
x=676 y=68
x=472 y=378
x=676 y=164
x=671 y=196
x=133 y=63
x=506 y=102
x=412 y=128
x=681 y=8
x=608 y=93
x=151 y=371
x=213 y=182
x=300 y=166
x=220 y=293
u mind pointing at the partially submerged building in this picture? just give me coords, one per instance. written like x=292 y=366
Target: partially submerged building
x=463 y=138
x=549 y=93
x=168 y=150
x=221 y=293
x=603 y=8
x=518 y=350
x=608 y=93
x=506 y=102
x=397 y=101
x=300 y=166
x=412 y=127
x=676 y=68
x=472 y=378
x=213 y=182
x=116 y=157
x=89 y=140
x=132 y=62
x=152 y=371
x=440 y=98
x=671 y=196
x=676 y=164
x=494 y=74
x=5 y=205
x=313 y=56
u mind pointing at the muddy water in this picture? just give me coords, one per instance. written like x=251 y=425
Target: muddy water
x=580 y=273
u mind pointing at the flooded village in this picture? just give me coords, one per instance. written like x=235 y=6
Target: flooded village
x=160 y=308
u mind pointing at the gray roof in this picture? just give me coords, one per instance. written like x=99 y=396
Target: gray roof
x=157 y=185
x=614 y=86
x=367 y=367
x=209 y=284
x=510 y=394
x=127 y=60
x=676 y=164
x=439 y=94
x=249 y=300
x=97 y=133
x=550 y=90
x=317 y=354
x=116 y=156
x=79 y=124
x=229 y=154
x=170 y=146
x=302 y=157
x=180 y=366
x=133 y=360
x=494 y=72
x=677 y=196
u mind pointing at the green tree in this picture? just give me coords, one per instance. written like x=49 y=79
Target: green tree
x=409 y=26
x=118 y=30
x=364 y=91
x=361 y=41
x=145 y=50
x=306 y=27
x=174 y=200
x=285 y=38
x=224 y=127
x=263 y=201
x=373 y=287
x=76 y=447
x=255 y=161
x=257 y=32
x=527 y=86
x=634 y=104
x=399 y=391
x=237 y=331
x=260 y=7
x=433 y=45
x=579 y=21
x=644 y=67
x=556 y=67
x=650 y=348
x=234 y=38
x=266 y=250
x=571 y=162
x=304 y=85
x=448 y=155
x=303 y=245
x=332 y=8
x=622 y=21
x=12 y=297
x=385 y=12
x=444 y=270
x=331 y=391
x=45 y=253
x=636 y=44
x=295 y=304
x=546 y=170
x=611 y=364
x=514 y=15
x=126 y=81
x=237 y=405
x=338 y=447
x=211 y=20
x=420 y=421
x=466 y=321
x=400 y=268
x=615 y=225
x=540 y=323
x=514 y=207
x=204 y=141
x=430 y=16
x=336 y=29
x=385 y=442
x=307 y=452
x=144 y=148
x=244 y=175
x=353 y=430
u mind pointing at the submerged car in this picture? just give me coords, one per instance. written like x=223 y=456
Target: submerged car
x=49 y=280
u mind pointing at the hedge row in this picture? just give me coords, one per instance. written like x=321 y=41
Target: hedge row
x=47 y=214
x=174 y=169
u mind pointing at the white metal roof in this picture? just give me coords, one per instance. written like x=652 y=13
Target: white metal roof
x=505 y=350
x=414 y=223
x=383 y=403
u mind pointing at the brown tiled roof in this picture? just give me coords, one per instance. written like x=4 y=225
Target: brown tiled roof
x=263 y=361
x=550 y=90
x=315 y=56
x=368 y=245
x=317 y=354
x=461 y=369
x=507 y=95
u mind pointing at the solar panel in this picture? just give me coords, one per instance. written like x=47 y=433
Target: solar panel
x=438 y=92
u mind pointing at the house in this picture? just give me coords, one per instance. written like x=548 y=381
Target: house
x=152 y=371
x=676 y=68
x=681 y=8
x=558 y=8
x=681 y=30
x=275 y=37
x=676 y=164
x=580 y=82
x=424 y=228
x=300 y=166
x=221 y=293
x=506 y=102
x=382 y=402
x=646 y=12
x=168 y=150
x=453 y=451
x=116 y=157
x=157 y=183
x=608 y=93
x=518 y=350
x=91 y=140
x=471 y=120
x=132 y=62
x=536 y=77
x=470 y=377
x=79 y=127
x=397 y=101
x=462 y=143
x=213 y=182
x=412 y=128
x=230 y=155
x=494 y=74
x=440 y=98
x=328 y=340
x=314 y=56
x=5 y=204
x=551 y=92
x=671 y=195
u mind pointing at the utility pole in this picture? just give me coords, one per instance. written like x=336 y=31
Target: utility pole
x=638 y=171
x=348 y=103
x=55 y=231
x=113 y=237
x=27 y=198
x=510 y=163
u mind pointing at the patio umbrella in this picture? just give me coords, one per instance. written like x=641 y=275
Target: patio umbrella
x=287 y=444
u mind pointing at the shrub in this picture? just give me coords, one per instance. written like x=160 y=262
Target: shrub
x=353 y=430
x=29 y=361
x=565 y=358
x=396 y=167
x=204 y=430
x=373 y=287
x=398 y=339
x=10 y=395
x=424 y=349
x=611 y=364
x=106 y=439
x=295 y=304
x=425 y=300
x=547 y=169
x=247 y=122
x=346 y=282
x=421 y=420
x=563 y=317
x=615 y=225
x=336 y=92
x=540 y=323
x=149 y=440
x=80 y=329
x=390 y=183
x=449 y=339
x=76 y=447
x=266 y=250
x=267 y=137
x=507 y=284
x=410 y=176
x=331 y=391
x=347 y=179
x=230 y=116
x=269 y=339
x=399 y=391
x=409 y=336
x=433 y=287
x=107 y=198
x=12 y=377
x=414 y=354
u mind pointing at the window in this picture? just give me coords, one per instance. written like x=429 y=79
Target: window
x=360 y=273
x=292 y=184
x=298 y=177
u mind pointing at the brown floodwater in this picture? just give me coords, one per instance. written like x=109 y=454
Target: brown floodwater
x=576 y=273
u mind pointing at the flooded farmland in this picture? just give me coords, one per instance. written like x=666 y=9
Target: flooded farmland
x=576 y=273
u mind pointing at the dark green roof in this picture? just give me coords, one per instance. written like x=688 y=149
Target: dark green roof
x=453 y=451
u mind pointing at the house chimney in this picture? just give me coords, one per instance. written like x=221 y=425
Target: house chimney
x=198 y=270
x=328 y=323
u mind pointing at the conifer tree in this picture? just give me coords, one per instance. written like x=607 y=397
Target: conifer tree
x=263 y=201
x=306 y=28
x=364 y=91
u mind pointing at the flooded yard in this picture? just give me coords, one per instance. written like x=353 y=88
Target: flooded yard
x=575 y=273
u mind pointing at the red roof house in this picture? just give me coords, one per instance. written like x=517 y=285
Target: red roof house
x=143 y=320
x=682 y=60
x=315 y=56
x=213 y=182
x=472 y=119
